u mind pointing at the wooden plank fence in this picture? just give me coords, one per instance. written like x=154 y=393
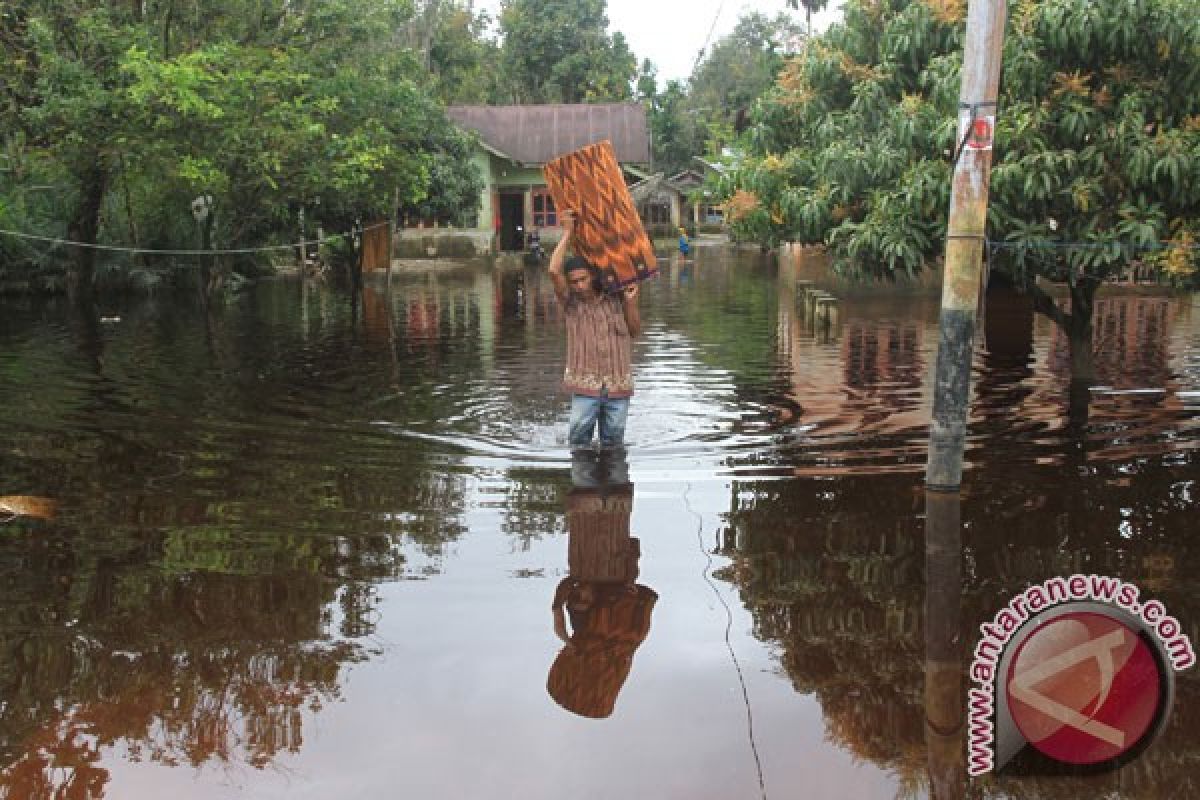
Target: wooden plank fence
x=377 y=239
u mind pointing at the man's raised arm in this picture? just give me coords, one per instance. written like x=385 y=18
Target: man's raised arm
x=559 y=257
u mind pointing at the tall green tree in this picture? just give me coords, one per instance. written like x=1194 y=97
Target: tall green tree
x=457 y=50
x=677 y=134
x=266 y=106
x=1096 y=144
x=64 y=99
x=560 y=51
x=810 y=7
x=741 y=66
x=689 y=119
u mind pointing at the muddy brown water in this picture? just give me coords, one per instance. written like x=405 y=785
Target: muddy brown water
x=306 y=548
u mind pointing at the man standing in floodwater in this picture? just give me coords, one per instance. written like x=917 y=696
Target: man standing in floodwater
x=600 y=333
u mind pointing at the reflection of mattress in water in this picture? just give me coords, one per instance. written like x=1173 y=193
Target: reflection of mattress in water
x=608 y=231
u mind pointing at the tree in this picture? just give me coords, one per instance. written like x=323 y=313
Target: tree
x=809 y=6
x=677 y=134
x=452 y=195
x=461 y=59
x=268 y=107
x=741 y=66
x=688 y=120
x=560 y=51
x=66 y=102
x=1095 y=147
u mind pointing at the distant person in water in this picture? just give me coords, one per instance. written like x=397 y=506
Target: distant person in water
x=685 y=245
x=600 y=333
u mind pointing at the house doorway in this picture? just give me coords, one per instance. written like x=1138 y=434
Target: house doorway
x=512 y=220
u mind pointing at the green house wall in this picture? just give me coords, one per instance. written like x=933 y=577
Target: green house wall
x=501 y=174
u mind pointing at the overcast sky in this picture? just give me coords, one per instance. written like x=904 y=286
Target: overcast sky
x=671 y=32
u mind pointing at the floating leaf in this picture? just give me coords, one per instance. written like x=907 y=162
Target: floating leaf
x=22 y=505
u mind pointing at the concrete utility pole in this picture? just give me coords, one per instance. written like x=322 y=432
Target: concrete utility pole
x=961 y=286
x=965 y=241
x=945 y=733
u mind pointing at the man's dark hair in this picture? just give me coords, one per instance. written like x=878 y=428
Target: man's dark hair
x=576 y=263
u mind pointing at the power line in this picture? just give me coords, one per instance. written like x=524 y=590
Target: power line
x=708 y=38
x=231 y=251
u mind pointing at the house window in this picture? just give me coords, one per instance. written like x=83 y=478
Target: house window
x=658 y=214
x=544 y=215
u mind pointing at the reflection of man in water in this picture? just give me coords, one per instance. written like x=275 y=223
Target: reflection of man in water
x=607 y=610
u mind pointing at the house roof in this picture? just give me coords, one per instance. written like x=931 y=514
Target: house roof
x=536 y=134
x=655 y=188
x=687 y=180
x=659 y=188
x=712 y=165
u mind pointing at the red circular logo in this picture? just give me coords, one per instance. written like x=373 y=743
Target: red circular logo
x=1083 y=688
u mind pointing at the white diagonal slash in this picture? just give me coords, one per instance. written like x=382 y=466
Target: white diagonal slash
x=1021 y=686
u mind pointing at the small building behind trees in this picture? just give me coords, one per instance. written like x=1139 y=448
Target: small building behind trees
x=666 y=204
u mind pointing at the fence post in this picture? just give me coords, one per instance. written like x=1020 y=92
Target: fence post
x=301 y=247
x=356 y=263
x=392 y=235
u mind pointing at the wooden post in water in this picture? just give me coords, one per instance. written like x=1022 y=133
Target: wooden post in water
x=303 y=256
x=356 y=263
x=391 y=248
x=965 y=236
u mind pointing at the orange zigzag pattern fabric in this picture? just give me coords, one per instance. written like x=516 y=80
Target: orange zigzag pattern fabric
x=608 y=231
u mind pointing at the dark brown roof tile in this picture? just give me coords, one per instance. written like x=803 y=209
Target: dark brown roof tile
x=537 y=134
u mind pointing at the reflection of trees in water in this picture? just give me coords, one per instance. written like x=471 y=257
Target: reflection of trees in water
x=181 y=668
x=532 y=506
x=226 y=512
x=1129 y=342
x=884 y=352
x=1002 y=386
x=179 y=648
x=841 y=593
x=103 y=646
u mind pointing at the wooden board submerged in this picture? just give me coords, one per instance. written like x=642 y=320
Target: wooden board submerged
x=608 y=230
x=376 y=246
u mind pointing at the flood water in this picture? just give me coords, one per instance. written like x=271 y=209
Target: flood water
x=306 y=548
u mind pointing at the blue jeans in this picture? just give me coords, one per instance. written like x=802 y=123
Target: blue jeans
x=608 y=412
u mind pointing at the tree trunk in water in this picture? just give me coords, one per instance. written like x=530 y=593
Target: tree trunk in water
x=1080 y=388
x=83 y=228
x=214 y=269
x=205 y=258
x=1083 y=364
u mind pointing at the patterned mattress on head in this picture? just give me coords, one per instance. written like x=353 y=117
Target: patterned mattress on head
x=608 y=230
